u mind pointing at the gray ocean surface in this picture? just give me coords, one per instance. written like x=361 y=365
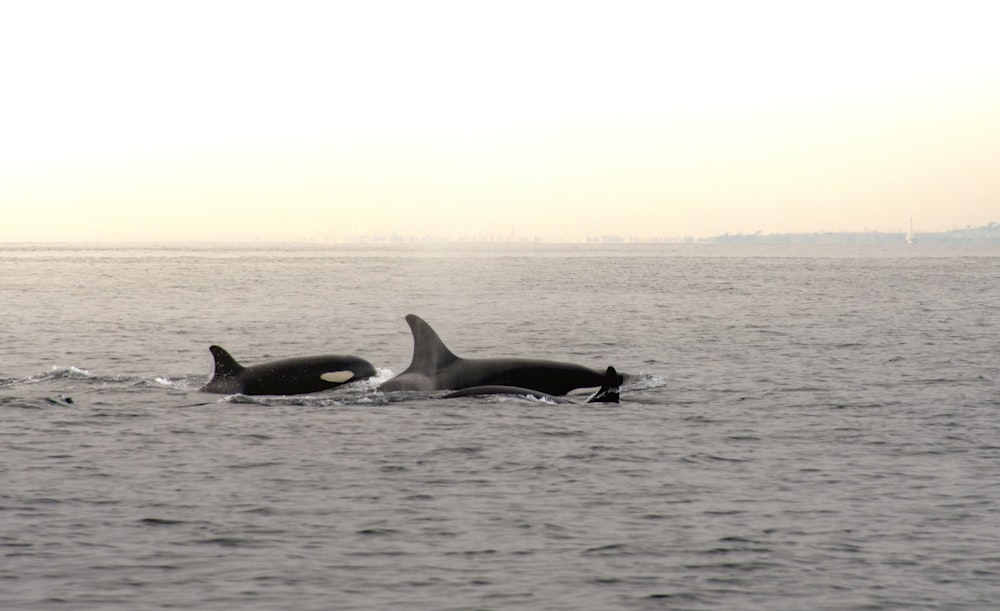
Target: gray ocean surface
x=806 y=427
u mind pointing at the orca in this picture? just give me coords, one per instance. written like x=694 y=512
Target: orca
x=610 y=392
x=435 y=367
x=292 y=376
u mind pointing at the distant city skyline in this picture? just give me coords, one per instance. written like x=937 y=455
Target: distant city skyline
x=989 y=233
x=557 y=121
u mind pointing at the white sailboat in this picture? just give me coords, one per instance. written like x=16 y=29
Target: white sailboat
x=909 y=234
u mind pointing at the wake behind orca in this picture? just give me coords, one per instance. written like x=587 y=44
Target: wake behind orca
x=292 y=376
x=435 y=367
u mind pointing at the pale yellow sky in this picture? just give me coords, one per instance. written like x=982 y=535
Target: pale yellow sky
x=302 y=120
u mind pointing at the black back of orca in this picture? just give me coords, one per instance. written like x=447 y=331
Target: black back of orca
x=292 y=376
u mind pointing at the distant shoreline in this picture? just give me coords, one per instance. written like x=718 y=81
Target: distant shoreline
x=986 y=234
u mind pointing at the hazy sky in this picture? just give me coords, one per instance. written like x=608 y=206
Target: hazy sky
x=302 y=120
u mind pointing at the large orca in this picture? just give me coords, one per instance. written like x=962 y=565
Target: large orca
x=292 y=376
x=609 y=392
x=435 y=367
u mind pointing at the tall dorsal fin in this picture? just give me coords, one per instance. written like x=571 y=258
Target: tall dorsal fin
x=225 y=364
x=429 y=352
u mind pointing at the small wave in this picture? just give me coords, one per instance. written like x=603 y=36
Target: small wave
x=372 y=383
x=335 y=399
x=230 y=542
x=68 y=373
x=73 y=373
x=255 y=465
x=643 y=381
x=57 y=372
x=473 y=552
x=684 y=597
x=702 y=458
x=37 y=402
x=240 y=399
x=79 y=376
x=378 y=532
x=612 y=549
x=160 y=522
x=536 y=399
x=166 y=382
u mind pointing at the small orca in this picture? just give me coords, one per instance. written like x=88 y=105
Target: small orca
x=435 y=367
x=293 y=376
x=610 y=392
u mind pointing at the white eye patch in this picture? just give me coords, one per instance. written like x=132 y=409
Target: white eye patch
x=337 y=377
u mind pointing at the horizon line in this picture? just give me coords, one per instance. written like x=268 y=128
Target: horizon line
x=397 y=238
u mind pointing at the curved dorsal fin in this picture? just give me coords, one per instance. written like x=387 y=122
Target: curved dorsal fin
x=225 y=364
x=429 y=352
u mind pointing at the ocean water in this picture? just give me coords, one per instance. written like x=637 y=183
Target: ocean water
x=806 y=427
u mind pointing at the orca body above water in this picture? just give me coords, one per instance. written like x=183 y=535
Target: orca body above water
x=435 y=367
x=292 y=376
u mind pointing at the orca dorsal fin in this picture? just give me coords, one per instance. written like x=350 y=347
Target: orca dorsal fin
x=429 y=352
x=225 y=364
